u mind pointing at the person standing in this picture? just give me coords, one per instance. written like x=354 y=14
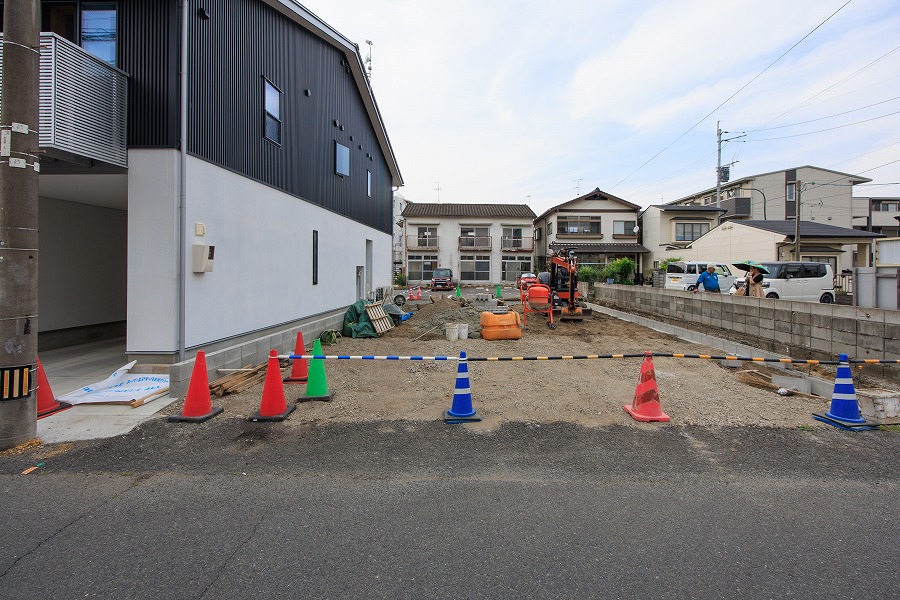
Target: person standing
x=753 y=283
x=709 y=280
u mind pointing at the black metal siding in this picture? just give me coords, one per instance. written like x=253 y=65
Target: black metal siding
x=245 y=41
x=149 y=53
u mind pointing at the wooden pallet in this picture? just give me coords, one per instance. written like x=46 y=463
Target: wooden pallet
x=380 y=319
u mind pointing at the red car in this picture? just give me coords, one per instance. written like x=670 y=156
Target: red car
x=526 y=280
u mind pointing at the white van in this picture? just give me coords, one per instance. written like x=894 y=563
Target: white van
x=804 y=281
x=683 y=274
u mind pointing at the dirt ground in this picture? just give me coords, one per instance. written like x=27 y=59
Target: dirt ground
x=586 y=392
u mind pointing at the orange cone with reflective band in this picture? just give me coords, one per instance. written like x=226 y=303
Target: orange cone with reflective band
x=419 y=293
x=411 y=296
x=197 y=404
x=300 y=366
x=273 y=406
x=645 y=406
x=47 y=404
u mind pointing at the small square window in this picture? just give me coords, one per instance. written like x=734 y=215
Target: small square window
x=272 y=113
x=341 y=159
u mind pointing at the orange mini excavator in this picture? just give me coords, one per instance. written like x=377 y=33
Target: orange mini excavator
x=563 y=280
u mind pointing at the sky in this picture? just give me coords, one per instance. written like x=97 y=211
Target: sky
x=535 y=102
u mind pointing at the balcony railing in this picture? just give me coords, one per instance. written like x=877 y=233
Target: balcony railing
x=425 y=242
x=736 y=207
x=83 y=104
x=516 y=244
x=474 y=242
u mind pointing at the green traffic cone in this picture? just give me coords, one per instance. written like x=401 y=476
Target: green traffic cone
x=458 y=294
x=317 y=384
x=499 y=294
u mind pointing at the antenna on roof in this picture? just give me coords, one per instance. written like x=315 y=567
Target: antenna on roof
x=578 y=186
x=438 y=188
x=368 y=61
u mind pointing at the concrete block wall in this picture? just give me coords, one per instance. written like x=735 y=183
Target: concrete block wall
x=795 y=329
x=252 y=352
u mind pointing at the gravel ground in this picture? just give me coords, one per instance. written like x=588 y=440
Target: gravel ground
x=589 y=393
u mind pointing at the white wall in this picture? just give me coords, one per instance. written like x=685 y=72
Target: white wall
x=262 y=272
x=82 y=264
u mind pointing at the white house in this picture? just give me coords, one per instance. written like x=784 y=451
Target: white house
x=481 y=243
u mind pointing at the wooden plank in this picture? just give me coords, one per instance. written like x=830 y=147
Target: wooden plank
x=381 y=321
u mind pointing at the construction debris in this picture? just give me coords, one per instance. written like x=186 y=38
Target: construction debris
x=238 y=381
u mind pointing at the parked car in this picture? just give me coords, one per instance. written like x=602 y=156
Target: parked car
x=525 y=280
x=682 y=275
x=442 y=279
x=791 y=280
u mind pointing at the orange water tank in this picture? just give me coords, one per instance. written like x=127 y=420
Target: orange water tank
x=505 y=326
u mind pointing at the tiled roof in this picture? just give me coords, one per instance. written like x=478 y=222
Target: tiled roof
x=809 y=229
x=424 y=209
x=596 y=248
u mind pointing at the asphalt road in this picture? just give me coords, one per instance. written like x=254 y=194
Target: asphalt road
x=230 y=509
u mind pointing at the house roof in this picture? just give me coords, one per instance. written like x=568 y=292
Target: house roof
x=300 y=14
x=596 y=194
x=853 y=179
x=809 y=229
x=426 y=209
x=597 y=248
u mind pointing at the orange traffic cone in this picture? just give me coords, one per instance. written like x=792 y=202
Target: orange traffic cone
x=47 y=404
x=300 y=366
x=273 y=406
x=411 y=296
x=197 y=405
x=646 y=405
x=419 y=293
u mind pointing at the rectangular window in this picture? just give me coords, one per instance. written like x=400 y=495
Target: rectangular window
x=315 y=258
x=624 y=227
x=272 y=112
x=472 y=237
x=537 y=233
x=341 y=160
x=426 y=237
x=475 y=267
x=419 y=267
x=513 y=266
x=578 y=225
x=688 y=232
x=98 y=30
x=369 y=183
x=790 y=204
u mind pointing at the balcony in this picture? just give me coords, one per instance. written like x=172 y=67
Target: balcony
x=83 y=104
x=474 y=242
x=884 y=218
x=736 y=208
x=516 y=244
x=426 y=242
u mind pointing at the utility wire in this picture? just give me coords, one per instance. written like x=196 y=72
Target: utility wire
x=847 y=112
x=784 y=137
x=742 y=88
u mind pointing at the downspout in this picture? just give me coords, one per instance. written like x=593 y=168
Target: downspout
x=182 y=182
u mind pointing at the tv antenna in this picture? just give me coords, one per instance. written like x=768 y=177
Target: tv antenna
x=368 y=62
x=438 y=188
x=578 y=186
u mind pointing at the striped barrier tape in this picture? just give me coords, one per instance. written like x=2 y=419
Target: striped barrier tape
x=591 y=357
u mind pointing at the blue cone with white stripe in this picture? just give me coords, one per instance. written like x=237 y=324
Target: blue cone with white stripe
x=844 y=406
x=461 y=411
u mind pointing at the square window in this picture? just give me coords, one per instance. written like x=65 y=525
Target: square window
x=341 y=160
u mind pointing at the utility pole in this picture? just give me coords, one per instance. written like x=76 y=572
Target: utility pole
x=19 y=146
x=718 y=165
x=797 y=187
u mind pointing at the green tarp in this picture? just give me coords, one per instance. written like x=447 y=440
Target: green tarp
x=357 y=323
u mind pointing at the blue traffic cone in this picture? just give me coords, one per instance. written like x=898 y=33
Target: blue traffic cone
x=844 y=412
x=461 y=411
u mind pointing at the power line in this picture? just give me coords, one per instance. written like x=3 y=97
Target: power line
x=847 y=112
x=784 y=137
x=742 y=88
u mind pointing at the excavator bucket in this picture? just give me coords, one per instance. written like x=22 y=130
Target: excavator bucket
x=579 y=314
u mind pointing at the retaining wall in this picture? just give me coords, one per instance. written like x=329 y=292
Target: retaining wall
x=795 y=329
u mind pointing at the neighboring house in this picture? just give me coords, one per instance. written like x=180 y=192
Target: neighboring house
x=667 y=229
x=826 y=197
x=883 y=215
x=599 y=226
x=738 y=241
x=481 y=243
x=259 y=199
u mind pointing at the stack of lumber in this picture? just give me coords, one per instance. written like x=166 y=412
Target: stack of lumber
x=238 y=381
